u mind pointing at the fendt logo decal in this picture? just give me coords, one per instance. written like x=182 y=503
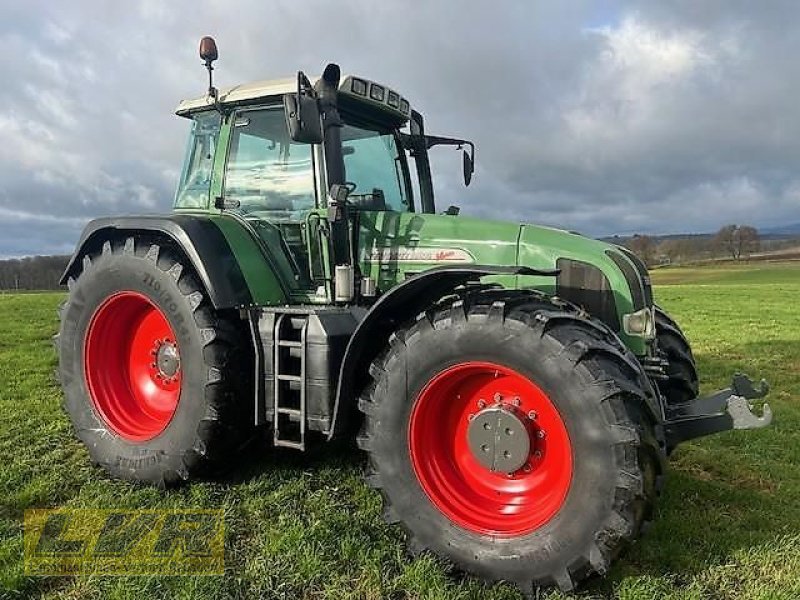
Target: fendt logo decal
x=410 y=254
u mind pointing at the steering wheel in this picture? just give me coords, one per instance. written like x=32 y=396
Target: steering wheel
x=351 y=187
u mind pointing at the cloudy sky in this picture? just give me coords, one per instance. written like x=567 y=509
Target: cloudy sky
x=605 y=117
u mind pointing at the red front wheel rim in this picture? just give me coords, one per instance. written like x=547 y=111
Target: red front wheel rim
x=132 y=366
x=467 y=492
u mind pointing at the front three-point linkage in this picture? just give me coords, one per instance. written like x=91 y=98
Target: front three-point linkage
x=727 y=409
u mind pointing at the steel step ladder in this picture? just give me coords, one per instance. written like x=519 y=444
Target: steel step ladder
x=289 y=421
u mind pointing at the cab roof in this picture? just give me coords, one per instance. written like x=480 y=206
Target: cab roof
x=358 y=88
x=242 y=93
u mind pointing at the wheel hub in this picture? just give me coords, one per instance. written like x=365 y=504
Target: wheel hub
x=167 y=359
x=499 y=438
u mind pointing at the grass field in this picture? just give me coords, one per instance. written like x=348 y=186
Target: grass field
x=298 y=527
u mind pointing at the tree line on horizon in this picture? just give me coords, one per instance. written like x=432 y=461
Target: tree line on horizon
x=32 y=273
x=732 y=242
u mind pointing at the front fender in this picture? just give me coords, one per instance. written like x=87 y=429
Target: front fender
x=401 y=303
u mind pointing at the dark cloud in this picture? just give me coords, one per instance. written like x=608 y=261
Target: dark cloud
x=604 y=117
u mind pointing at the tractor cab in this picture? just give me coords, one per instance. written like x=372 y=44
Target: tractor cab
x=269 y=153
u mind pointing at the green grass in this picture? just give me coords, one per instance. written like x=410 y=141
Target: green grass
x=769 y=273
x=728 y=522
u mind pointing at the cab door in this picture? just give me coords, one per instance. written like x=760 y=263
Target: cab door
x=381 y=197
x=271 y=182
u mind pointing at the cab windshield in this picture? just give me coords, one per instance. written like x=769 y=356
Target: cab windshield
x=376 y=169
x=195 y=184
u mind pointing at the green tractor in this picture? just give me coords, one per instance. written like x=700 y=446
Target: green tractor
x=515 y=387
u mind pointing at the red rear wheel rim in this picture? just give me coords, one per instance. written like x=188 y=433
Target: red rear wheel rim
x=132 y=366
x=468 y=493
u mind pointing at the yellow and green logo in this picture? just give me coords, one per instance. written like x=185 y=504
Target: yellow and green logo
x=124 y=542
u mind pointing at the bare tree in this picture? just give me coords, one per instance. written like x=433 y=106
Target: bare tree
x=726 y=240
x=644 y=247
x=749 y=241
x=737 y=240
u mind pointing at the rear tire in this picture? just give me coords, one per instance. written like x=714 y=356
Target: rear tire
x=153 y=377
x=530 y=527
x=682 y=385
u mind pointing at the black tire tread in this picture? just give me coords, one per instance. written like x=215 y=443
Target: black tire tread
x=590 y=344
x=682 y=384
x=219 y=434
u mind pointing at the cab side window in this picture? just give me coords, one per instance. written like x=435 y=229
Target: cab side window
x=266 y=171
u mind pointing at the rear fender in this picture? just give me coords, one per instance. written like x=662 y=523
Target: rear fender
x=200 y=240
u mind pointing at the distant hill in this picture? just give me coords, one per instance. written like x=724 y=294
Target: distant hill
x=782 y=232
x=790 y=230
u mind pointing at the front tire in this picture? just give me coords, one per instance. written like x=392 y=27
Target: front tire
x=153 y=377
x=587 y=479
x=682 y=383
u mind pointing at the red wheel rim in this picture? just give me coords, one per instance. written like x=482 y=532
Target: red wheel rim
x=132 y=366
x=468 y=493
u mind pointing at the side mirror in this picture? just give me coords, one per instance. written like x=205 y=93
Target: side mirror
x=469 y=166
x=452 y=211
x=302 y=113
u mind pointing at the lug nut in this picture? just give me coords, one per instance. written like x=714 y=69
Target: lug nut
x=527 y=468
x=481 y=403
x=532 y=415
x=517 y=401
x=540 y=434
x=497 y=397
x=470 y=417
x=538 y=454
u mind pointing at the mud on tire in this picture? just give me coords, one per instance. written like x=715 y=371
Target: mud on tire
x=210 y=420
x=597 y=388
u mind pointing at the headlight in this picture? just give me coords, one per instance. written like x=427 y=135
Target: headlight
x=641 y=323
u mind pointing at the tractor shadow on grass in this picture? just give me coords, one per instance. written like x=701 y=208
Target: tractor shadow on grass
x=727 y=494
x=260 y=457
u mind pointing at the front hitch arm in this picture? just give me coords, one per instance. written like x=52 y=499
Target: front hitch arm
x=721 y=411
